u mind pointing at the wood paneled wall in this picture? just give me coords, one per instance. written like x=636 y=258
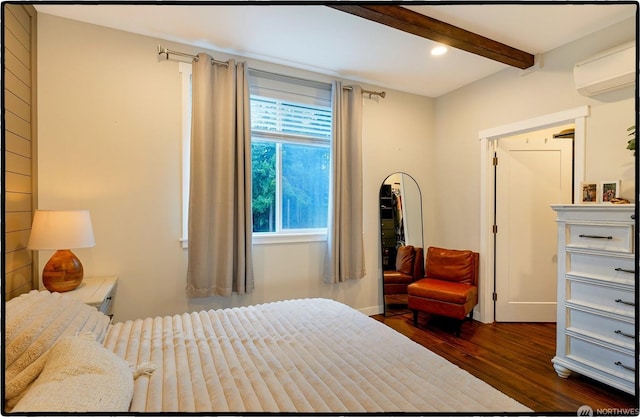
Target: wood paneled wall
x=19 y=23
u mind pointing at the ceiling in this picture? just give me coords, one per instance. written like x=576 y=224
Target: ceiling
x=329 y=41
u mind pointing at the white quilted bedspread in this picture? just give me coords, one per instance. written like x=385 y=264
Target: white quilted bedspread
x=310 y=355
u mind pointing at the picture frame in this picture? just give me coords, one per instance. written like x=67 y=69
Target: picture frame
x=609 y=190
x=589 y=194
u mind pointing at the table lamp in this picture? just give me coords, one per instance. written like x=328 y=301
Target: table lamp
x=61 y=230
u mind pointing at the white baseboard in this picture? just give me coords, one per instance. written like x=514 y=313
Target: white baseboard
x=371 y=311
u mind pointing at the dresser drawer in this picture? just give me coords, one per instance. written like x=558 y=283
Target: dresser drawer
x=107 y=305
x=610 y=330
x=609 y=268
x=604 y=359
x=601 y=297
x=610 y=238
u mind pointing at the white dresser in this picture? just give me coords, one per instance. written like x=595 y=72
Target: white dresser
x=596 y=293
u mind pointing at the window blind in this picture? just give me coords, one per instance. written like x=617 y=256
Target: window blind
x=290 y=108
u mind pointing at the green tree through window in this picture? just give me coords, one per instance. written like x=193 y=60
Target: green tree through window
x=263 y=165
x=305 y=186
x=290 y=154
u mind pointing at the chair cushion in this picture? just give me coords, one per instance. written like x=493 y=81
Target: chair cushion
x=393 y=289
x=405 y=258
x=447 y=291
x=396 y=277
x=450 y=265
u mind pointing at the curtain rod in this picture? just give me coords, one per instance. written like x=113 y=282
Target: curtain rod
x=167 y=51
x=375 y=93
x=371 y=93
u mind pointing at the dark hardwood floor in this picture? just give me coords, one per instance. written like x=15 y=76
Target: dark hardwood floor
x=515 y=358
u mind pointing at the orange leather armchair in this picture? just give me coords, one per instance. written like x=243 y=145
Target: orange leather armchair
x=450 y=285
x=409 y=267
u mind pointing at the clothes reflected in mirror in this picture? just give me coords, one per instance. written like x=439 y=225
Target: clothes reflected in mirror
x=392 y=228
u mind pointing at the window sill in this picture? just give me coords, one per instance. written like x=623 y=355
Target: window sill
x=272 y=238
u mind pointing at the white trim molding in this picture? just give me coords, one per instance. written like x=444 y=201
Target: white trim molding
x=185 y=71
x=535 y=123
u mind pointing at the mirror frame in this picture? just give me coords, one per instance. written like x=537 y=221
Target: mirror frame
x=411 y=210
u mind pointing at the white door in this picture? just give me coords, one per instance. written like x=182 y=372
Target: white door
x=533 y=171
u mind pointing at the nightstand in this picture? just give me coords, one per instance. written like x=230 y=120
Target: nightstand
x=98 y=292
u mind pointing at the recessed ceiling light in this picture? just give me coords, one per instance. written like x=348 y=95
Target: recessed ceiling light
x=439 y=50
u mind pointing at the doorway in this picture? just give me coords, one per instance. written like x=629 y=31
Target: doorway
x=533 y=170
x=485 y=311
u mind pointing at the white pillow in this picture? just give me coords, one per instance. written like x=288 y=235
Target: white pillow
x=80 y=375
x=34 y=322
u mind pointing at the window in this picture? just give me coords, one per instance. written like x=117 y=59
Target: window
x=291 y=137
x=291 y=125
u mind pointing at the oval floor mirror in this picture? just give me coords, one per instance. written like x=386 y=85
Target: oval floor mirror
x=401 y=239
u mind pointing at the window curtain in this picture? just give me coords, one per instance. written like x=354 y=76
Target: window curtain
x=220 y=224
x=345 y=242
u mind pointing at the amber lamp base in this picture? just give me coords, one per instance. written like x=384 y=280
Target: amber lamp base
x=63 y=272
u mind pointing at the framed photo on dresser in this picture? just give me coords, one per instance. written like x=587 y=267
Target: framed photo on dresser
x=609 y=190
x=589 y=193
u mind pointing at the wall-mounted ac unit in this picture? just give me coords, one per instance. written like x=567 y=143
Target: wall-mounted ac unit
x=606 y=71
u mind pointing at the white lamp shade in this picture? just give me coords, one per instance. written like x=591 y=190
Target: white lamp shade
x=61 y=229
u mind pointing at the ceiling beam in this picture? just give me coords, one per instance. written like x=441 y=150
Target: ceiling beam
x=418 y=24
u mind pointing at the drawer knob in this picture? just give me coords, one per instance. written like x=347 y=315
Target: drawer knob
x=629 y=303
x=596 y=237
x=631 y=271
x=620 y=332
x=629 y=368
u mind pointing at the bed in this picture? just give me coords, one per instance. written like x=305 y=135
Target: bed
x=306 y=355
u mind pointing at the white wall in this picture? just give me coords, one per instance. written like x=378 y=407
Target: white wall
x=109 y=141
x=453 y=218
